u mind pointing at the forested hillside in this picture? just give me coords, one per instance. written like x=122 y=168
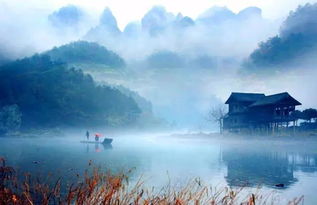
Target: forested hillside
x=49 y=94
x=296 y=42
x=86 y=52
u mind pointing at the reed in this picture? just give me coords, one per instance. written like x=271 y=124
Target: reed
x=97 y=187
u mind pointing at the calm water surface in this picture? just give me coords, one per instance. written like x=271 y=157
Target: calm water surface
x=248 y=163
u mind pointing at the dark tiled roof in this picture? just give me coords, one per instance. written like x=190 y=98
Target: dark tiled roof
x=245 y=97
x=273 y=99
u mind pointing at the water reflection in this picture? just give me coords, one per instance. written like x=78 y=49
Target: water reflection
x=254 y=166
x=241 y=164
x=98 y=147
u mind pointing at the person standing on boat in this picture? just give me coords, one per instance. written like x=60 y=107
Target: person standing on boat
x=97 y=135
x=87 y=135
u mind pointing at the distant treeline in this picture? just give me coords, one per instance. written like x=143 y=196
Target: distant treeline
x=310 y=117
x=307 y=114
x=85 y=52
x=46 y=93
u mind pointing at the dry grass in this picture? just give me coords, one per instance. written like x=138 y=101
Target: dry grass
x=97 y=187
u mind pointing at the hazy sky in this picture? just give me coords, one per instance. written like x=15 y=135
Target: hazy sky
x=131 y=10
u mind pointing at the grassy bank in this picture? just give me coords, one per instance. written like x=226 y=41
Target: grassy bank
x=96 y=187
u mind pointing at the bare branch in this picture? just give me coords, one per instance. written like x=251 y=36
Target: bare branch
x=216 y=113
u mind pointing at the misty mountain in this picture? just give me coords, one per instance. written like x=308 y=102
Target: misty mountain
x=213 y=33
x=83 y=52
x=156 y=20
x=49 y=94
x=216 y=15
x=219 y=15
x=250 y=13
x=132 y=29
x=106 y=30
x=296 y=42
x=67 y=16
x=143 y=104
x=108 y=20
x=183 y=21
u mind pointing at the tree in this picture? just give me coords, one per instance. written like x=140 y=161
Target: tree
x=309 y=114
x=10 y=118
x=216 y=114
x=296 y=114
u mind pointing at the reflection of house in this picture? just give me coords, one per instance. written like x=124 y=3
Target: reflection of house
x=256 y=111
x=247 y=167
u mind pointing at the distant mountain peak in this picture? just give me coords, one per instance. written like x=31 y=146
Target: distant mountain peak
x=132 y=29
x=179 y=16
x=108 y=19
x=156 y=20
x=66 y=16
x=216 y=14
x=250 y=12
x=106 y=30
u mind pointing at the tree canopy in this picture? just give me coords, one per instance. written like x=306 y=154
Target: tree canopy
x=85 y=52
x=297 y=38
x=309 y=114
x=10 y=118
x=277 y=51
x=50 y=94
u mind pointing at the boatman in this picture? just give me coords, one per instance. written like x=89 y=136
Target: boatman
x=97 y=135
x=87 y=135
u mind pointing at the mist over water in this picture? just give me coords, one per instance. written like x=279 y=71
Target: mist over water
x=161 y=159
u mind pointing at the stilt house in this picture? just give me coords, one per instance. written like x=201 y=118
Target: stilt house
x=250 y=112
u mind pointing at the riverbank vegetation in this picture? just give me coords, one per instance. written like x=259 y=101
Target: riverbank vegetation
x=97 y=187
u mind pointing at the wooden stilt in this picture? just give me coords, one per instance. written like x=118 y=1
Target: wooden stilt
x=294 y=124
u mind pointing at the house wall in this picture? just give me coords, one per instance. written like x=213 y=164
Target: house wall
x=237 y=107
x=240 y=118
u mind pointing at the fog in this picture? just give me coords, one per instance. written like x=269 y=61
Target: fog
x=39 y=29
x=209 y=52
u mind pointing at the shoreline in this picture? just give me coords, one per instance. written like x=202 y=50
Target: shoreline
x=234 y=137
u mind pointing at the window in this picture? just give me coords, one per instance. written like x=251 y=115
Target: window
x=278 y=111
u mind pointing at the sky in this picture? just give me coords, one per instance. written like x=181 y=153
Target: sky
x=127 y=10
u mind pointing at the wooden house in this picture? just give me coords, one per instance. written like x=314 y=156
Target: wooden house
x=250 y=112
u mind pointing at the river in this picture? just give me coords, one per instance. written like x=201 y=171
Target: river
x=159 y=160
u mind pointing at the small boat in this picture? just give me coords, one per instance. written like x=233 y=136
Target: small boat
x=105 y=141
